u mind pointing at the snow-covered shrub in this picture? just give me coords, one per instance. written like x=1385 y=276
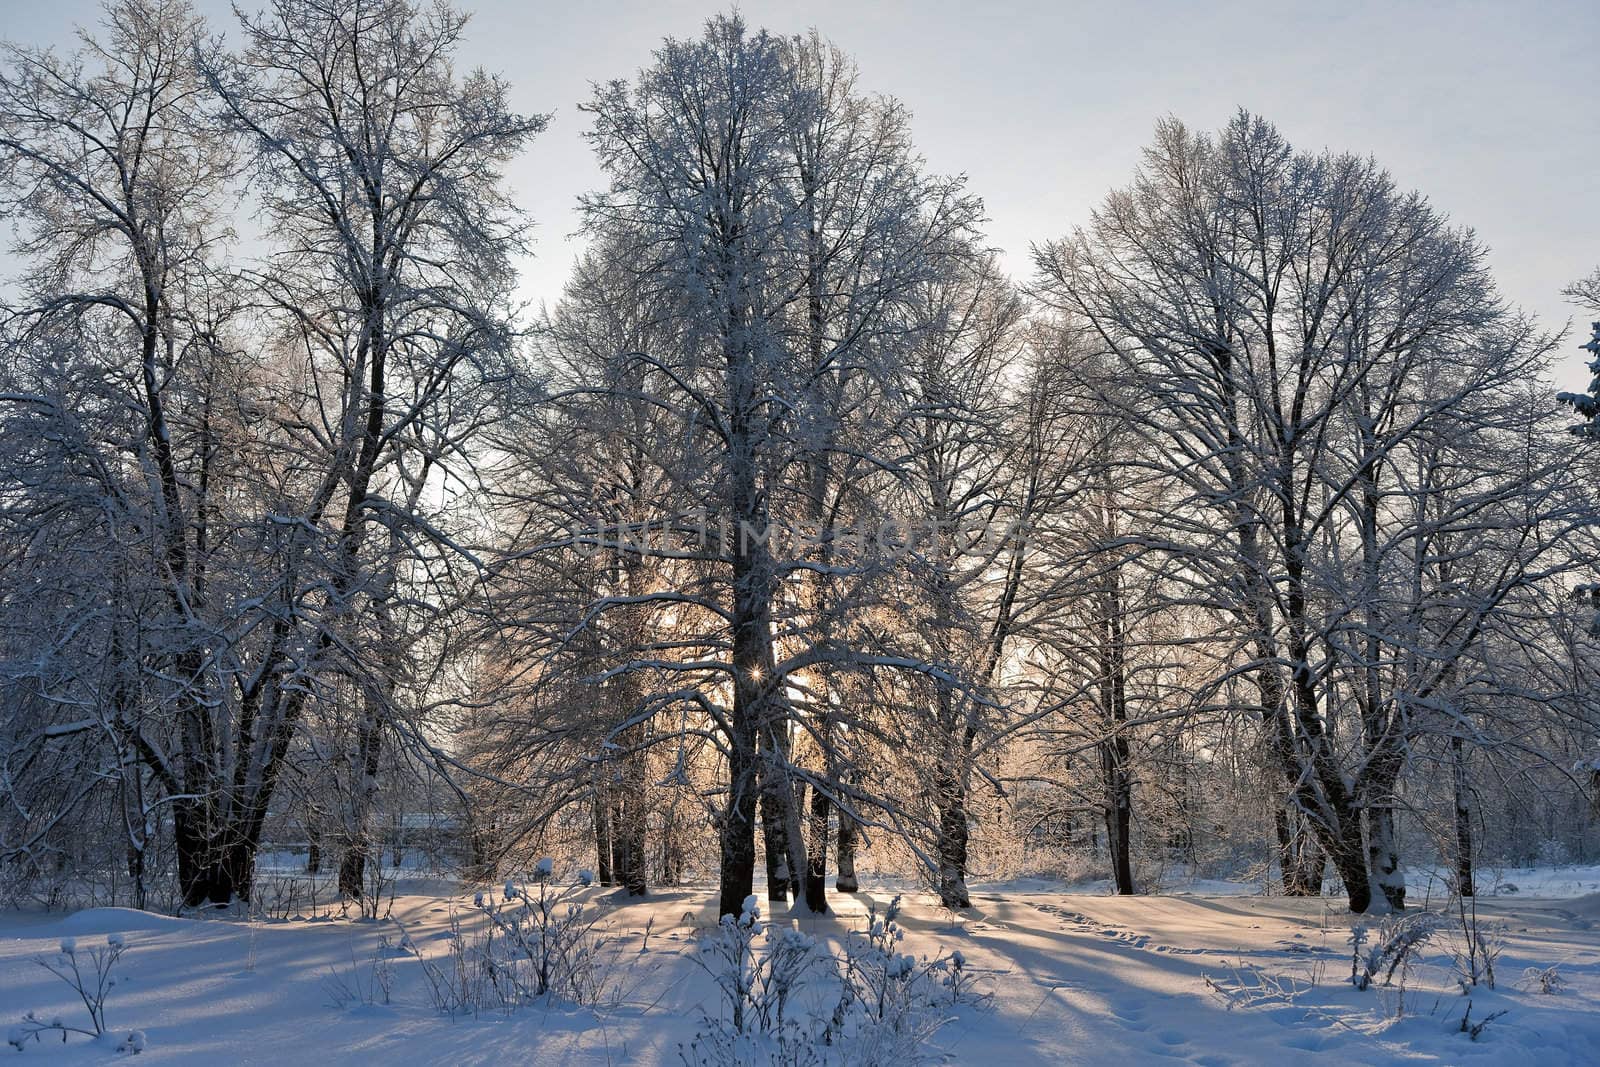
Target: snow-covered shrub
x=1398 y=940
x=959 y=983
x=1474 y=947
x=891 y=1003
x=536 y=943
x=1546 y=980
x=756 y=984
x=549 y=940
x=93 y=984
x=757 y=969
x=870 y=1006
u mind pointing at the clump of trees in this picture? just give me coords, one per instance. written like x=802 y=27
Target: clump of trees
x=795 y=529
x=225 y=512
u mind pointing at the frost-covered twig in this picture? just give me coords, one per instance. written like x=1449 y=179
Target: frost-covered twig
x=92 y=987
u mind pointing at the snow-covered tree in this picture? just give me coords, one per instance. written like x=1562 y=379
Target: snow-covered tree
x=1300 y=329
x=266 y=465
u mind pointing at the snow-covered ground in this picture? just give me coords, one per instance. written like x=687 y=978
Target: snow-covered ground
x=1075 y=978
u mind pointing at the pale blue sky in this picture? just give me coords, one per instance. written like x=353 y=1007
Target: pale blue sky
x=1488 y=108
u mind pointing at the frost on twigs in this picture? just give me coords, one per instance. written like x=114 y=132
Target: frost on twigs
x=1246 y=985
x=367 y=985
x=88 y=972
x=1546 y=980
x=1474 y=946
x=1392 y=949
x=537 y=943
x=784 y=999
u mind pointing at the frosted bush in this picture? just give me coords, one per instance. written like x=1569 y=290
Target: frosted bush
x=1246 y=985
x=536 y=943
x=89 y=974
x=1547 y=980
x=891 y=1004
x=1396 y=944
x=757 y=986
x=1474 y=947
x=872 y=1006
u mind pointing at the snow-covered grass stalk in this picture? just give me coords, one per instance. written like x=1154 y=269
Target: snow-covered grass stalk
x=93 y=984
x=288 y=896
x=455 y=984
x=1474 y=1030
x=253 y=936
x=367 y=985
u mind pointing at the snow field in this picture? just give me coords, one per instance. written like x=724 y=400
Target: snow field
x=1073 y=978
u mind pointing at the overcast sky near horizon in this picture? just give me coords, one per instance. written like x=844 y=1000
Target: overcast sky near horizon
x=1487 y=108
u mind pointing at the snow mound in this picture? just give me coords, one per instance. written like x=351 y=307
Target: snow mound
x=114 y=920
x=1584 y=907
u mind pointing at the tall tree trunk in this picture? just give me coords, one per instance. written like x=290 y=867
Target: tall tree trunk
x=1288 y=854
x=602 y=829
x=1380 y=729
x=951 y=797
x=619 y=844
x=1316 y=788
x=774 y=836
x=1296 y=740
x=203 y=876
x=1325 y=798
x=752 y=653
x=1383 y=845
x=1118 y=812
x=1463 y=817
x=781 y=822
x=671 y=849
x=846 y=881
x=816 y=893
x=136 y=866
x=755 y=697
x=629 y=813
x=1348 y=858
x=358 y=845
x=633 y=871
x=736 y=827
x=1114 y=749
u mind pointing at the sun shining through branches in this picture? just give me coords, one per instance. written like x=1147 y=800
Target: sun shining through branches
x=797 y=550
